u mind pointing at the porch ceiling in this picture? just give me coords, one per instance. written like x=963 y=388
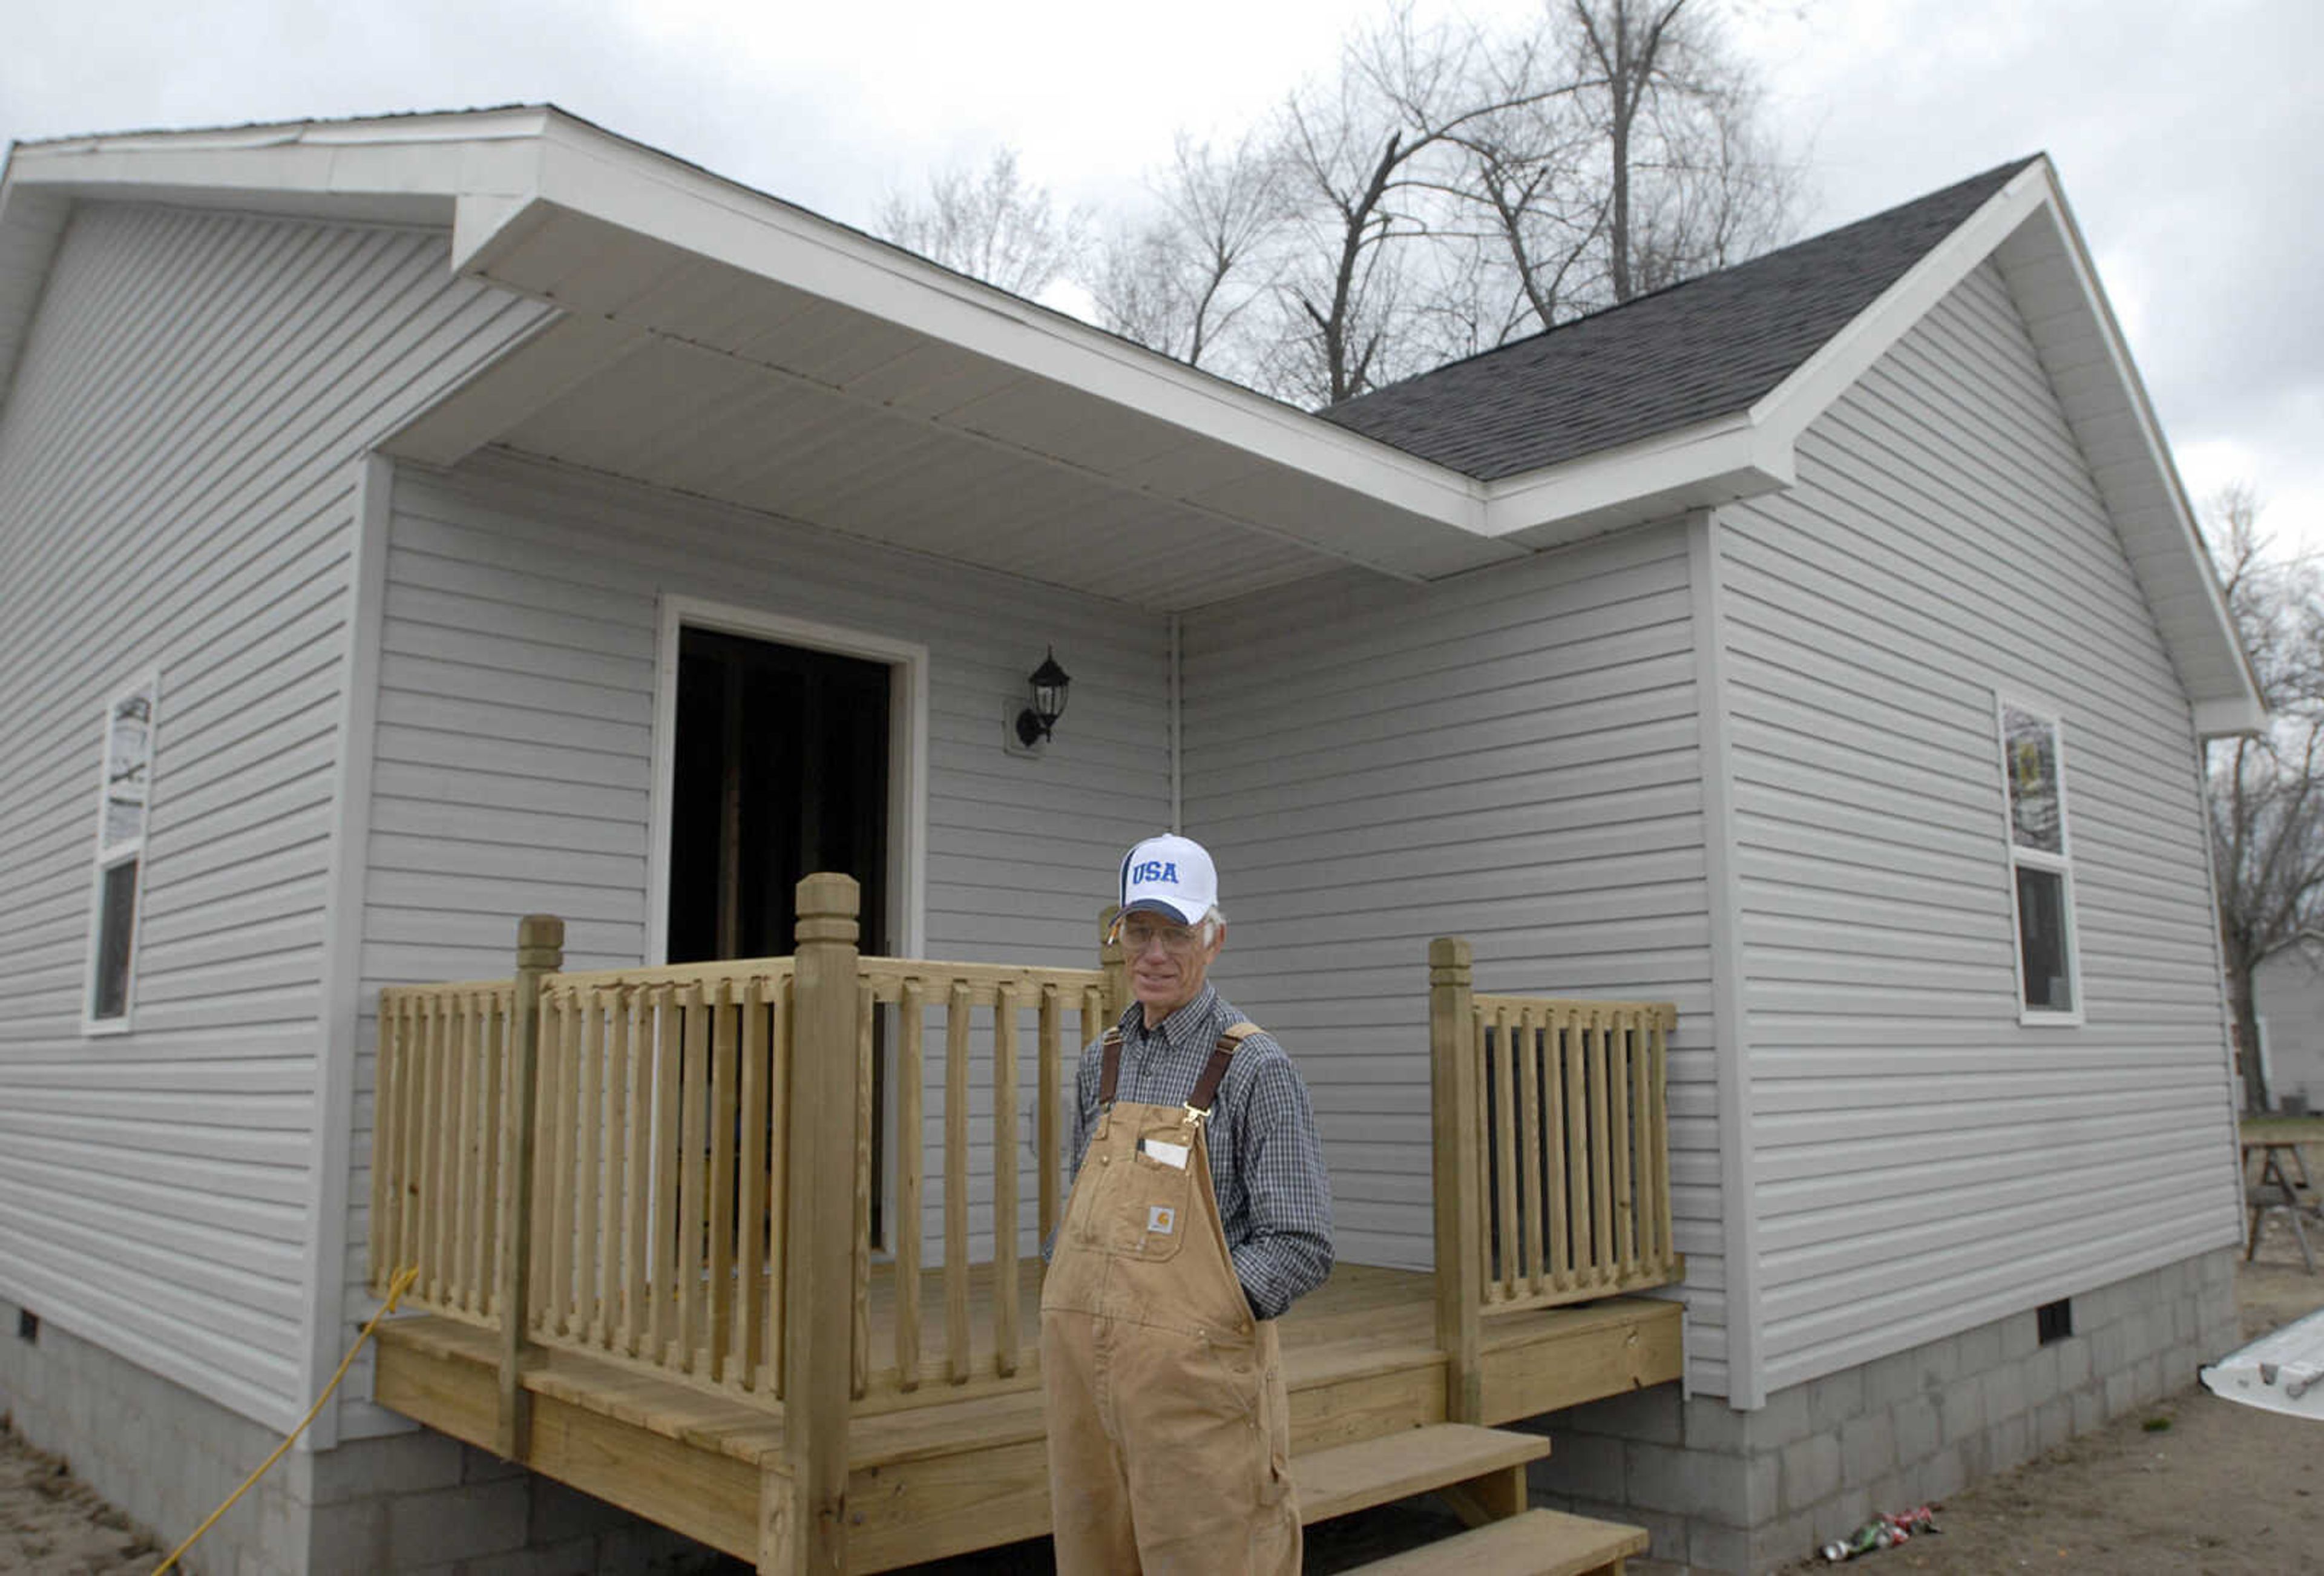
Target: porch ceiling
x=691 y=372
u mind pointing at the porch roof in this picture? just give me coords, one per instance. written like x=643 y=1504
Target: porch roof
x=715 y=340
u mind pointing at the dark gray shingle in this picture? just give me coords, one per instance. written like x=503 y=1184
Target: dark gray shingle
x=1705 y=347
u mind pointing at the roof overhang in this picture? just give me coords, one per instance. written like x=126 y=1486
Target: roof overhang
x=715 y=340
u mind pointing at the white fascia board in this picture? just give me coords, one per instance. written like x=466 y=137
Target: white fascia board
x=1785 y=410
x=1716 y=461
x=2239 y=704
x=587 y=171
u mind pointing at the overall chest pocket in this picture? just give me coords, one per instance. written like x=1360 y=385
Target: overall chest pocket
x=1154 y=1204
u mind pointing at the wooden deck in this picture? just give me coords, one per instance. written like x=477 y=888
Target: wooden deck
x=935 y=1477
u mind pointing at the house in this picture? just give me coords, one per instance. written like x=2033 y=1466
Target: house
x=2288 y=988
x=408 y=524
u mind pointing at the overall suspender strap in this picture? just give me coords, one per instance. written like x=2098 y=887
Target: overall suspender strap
x=1206 y=1087
x=1109 y=1074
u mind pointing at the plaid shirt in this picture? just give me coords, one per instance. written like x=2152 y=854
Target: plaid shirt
x=1275 y=1200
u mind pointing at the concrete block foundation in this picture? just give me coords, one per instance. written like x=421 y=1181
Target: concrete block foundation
x=413 y=1502
x=1723 y=1490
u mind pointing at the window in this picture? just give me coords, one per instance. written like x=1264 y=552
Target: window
x=122 y=799
x=2040 y=874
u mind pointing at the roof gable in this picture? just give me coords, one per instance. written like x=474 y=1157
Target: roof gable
x=1694 y=351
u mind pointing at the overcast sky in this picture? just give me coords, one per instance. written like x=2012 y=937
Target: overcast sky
x=2187 y=133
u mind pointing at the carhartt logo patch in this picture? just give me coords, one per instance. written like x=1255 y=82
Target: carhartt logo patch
x=1161 y=1219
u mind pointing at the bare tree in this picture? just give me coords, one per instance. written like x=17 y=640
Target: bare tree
x=1688 y=183
x=1181 y=281
x=1374 y=164
x=2266 y=791
x=995 y=228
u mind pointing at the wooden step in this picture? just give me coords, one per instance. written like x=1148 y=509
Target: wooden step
x=1539 y=1542
x=1482 y=1466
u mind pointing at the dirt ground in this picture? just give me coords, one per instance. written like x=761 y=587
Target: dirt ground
x=2193 y=1486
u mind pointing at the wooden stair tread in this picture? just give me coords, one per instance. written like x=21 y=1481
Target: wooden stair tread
x=1538 y=1542
x=1413 y=1461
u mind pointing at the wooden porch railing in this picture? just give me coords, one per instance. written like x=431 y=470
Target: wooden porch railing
x=672 y=1169
x=1553 y=1154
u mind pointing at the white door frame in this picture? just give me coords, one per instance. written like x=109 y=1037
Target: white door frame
x=907 y=754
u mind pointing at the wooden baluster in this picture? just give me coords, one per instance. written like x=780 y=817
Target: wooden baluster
x=1528 y=1151
x=584 y=1320
x=385 y=1217
x=498 y=1035
x=432 y=1168
x=1506 y=1230
x=1659 y=1120
x=1577 y=1146
x=957 y=1013
x=694 y=1096
x=1048 y=1114
x=743 y=1364
x=1457 y=1133
x=412 y=1179
x=782 y=1015
x=1004 y=1180
x=637 y=1175
x=565 y=1227
x=661 y=1224
x=803 y=1498
x=539 y=953
x=609 y=1004
x=718 y=1289
x=1555 y=1022
x=1600 y=1185
x=860 y=1236
x=477 y=1208
x=910 y=1170
x=1622 y=1257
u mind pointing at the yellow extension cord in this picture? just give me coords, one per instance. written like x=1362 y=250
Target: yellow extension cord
x=402 y=1284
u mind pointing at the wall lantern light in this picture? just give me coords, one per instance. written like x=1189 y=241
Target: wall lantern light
x=1049 y=682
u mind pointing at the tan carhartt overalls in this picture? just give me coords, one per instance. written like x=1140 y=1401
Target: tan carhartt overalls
x=1169 y=1430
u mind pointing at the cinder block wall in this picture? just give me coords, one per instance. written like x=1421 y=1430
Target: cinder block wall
x=409 y=1502
x=1723 y=1490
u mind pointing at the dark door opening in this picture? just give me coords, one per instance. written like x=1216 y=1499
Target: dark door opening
x=780 y=769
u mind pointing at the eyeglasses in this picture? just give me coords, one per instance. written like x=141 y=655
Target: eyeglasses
x=1137 y=935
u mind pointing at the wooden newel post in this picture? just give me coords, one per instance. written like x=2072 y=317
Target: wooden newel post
x=1110 y=959
x=539 y=953
x=803 y=1519
x=1457 y=1125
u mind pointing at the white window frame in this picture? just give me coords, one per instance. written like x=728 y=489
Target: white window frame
x=2061 y=862
x=108 y=857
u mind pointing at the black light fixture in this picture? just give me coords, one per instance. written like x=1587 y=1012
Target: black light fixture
x=1049 y=682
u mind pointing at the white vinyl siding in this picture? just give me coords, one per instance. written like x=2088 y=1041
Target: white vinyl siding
x=515 y=735
x=177 y=457
x=1922 y=1162
x=1511 y=756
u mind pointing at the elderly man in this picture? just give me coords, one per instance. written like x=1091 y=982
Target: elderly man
x=1200 y=1211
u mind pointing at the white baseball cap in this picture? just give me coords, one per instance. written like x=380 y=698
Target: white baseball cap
x=1170 y=875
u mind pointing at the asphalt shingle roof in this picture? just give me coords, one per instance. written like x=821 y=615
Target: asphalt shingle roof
x=1703 y=348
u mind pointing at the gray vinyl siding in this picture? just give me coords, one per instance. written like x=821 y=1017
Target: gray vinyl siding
x=515 y=739
x=177 y=468
x=1511 y=756
x=1923 y=1162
